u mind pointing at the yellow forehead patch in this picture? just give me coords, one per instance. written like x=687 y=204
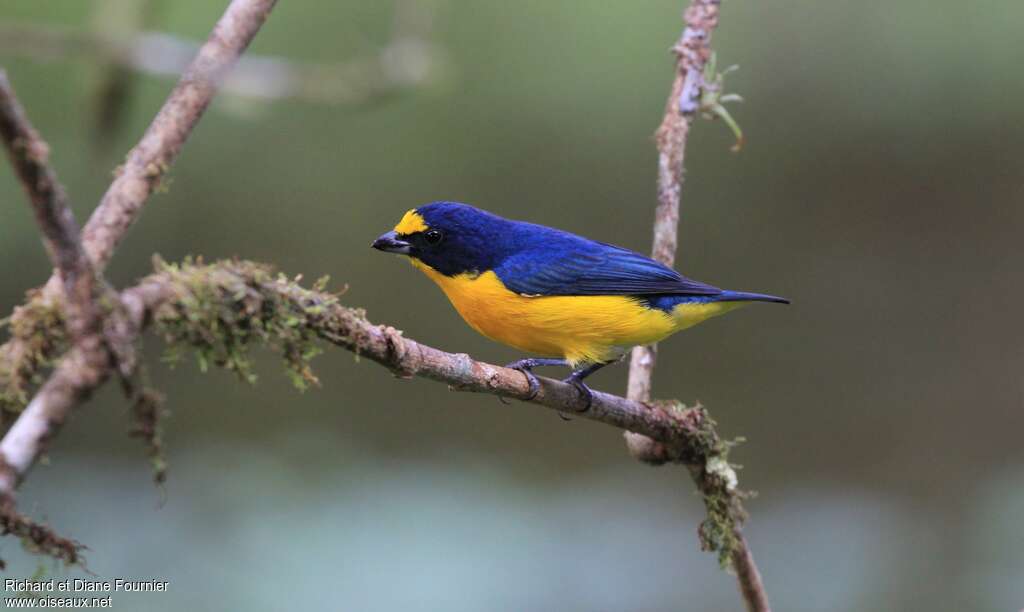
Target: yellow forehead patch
x=411 y=223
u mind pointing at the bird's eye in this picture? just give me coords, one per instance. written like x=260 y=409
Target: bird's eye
x=433 y=237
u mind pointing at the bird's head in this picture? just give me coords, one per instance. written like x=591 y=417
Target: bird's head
x=450 y=238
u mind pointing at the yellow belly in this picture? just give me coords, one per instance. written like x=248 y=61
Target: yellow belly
x=578 y=328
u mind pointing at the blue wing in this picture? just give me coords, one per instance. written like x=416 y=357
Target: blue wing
x=565 y=264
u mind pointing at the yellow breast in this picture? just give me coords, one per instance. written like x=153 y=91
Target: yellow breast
x=578 y=328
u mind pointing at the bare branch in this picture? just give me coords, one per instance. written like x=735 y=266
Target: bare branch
x=693 y=50
x=70 y=384
x=150 y=160
x=29 y=155
x=751 y=586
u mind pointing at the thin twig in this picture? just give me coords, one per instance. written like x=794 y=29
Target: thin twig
x=693 y=50
x=751 y=586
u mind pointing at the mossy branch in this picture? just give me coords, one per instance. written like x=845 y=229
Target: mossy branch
x=143 y=171
x=220 y=311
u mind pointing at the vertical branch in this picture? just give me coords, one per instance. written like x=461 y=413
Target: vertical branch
x=692 y=51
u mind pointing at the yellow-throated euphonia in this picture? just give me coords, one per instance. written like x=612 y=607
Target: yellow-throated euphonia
x=579 y=302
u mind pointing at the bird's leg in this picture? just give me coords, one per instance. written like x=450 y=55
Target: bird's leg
x=576 y=379
x=526 y=367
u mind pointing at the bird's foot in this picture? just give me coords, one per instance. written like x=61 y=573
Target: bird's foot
x=526 y=367
x=585 y=393
x=531 y=380
x=576 y=379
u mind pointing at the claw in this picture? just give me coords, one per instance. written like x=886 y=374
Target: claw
x=532 y=381
x=525 y=366
x=585 y=393
x=576 y=379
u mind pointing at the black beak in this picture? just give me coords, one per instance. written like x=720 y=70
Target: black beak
x=389 y=243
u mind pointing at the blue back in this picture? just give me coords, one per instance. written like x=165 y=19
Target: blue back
x=533 y=259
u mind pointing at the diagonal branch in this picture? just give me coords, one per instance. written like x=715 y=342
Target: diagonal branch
x=29 y=155
x=219 y=305
x=152 y=157
x=222 y=309
x=693 y=50
x=141 y=173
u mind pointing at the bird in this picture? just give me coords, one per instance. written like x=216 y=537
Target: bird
x=572 y=301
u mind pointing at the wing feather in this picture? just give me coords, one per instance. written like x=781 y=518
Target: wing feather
x=586 y=267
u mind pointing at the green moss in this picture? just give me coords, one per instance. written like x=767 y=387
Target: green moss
x=38 y=329
x=707 y=456
x=217 y=311
x=220 y=310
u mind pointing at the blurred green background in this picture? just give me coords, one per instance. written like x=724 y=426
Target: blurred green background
x=880 y=190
